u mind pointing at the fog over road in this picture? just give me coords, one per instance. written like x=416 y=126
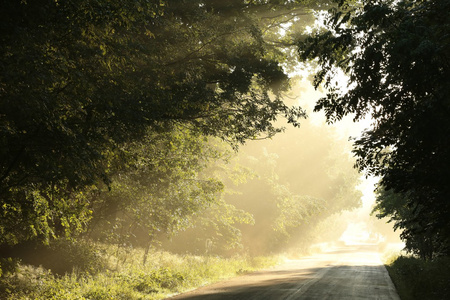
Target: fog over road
x=348 y=272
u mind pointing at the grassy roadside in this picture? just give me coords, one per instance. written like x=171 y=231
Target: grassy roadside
x=123 y=276
x=416 y=279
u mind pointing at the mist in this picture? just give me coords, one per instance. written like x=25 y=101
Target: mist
x=292 y=192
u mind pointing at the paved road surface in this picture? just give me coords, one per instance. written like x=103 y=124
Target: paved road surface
x=350 y=272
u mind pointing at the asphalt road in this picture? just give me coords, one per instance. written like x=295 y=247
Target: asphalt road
x=348 y=272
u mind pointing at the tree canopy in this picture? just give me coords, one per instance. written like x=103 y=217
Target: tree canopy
x=396 y=55
x=83 y=81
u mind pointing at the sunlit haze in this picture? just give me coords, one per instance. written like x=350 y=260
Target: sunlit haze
x=360 y=226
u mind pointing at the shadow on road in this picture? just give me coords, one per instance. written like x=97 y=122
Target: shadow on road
x=327 y=282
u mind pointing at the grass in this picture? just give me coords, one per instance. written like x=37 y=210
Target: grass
x=124 y=277
x=418 y=279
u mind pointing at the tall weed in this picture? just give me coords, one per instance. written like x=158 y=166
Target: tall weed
x=123 y=276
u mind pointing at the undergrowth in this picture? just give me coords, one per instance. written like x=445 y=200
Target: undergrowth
x=123 y=276
x=415 y=278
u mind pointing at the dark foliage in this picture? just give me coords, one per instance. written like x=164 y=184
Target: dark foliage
x=397 y=57
x=80 y=81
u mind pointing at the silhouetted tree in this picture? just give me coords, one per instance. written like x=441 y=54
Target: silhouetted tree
x=396 y=55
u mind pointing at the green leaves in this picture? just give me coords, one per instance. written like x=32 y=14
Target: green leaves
x=398 y=76
x=162 y=186
x=81 y=83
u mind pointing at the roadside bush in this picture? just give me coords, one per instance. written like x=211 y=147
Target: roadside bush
x=419 y=279
x=61 y=256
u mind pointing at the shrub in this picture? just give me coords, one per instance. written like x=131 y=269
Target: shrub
x=419 y=279
x=63 y=256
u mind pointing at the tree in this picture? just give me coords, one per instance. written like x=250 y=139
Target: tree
x=214 y=230
x=396 y=57
x=159 y=190
x=82 y=80
x=406 y=216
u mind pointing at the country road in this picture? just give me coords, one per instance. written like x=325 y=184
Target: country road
x=348 y=272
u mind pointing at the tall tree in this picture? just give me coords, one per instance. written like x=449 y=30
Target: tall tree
x=80 y=80
x=396 y=55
